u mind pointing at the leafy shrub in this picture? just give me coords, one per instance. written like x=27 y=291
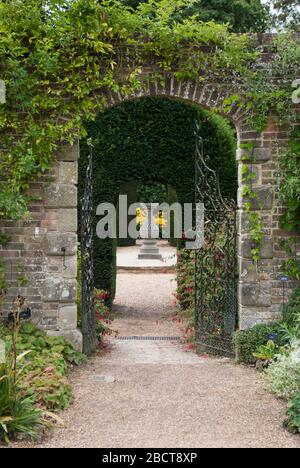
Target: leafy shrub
x=292 y=422
x=281 y=354
x=248 y=342
x=267 y=352
x=43 y=371
x=44 y=379
x=283 y=375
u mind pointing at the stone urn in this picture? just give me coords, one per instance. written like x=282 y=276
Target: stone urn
x=149 y=234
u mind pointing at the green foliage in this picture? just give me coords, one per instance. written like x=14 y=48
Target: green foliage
x=172 y=198
x=44 y=380
x=185 y=277
x=103 y=314
x=291 y=266
x=185 y=295
x=17 y=414
x=278 y=347
x=124 y=133
x=267 y=352
x=129 y=189
x=264 y=93
x=241 y=15
x=281 y=354
x=292 y=422
x=283 y=374
x=152 y=192
x=43 y=371
x=255 y=224
x=248 y=342
x=292 y=310
x=290 y=185
x=255 y=344
x=287 y=14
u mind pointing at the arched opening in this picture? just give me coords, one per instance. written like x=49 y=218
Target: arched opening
x=147 y=142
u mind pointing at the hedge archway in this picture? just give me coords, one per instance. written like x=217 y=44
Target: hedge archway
x=133 y=143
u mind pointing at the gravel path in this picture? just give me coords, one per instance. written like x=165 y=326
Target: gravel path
x=142 y=302
x=153 y=394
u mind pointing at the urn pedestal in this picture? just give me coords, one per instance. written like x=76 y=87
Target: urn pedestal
x=149 y=234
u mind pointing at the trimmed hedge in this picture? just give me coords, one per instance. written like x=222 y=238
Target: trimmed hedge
x=152 y=139
x=131 y=190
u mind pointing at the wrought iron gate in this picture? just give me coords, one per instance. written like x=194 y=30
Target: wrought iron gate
x=216 y=307
x=87 y=264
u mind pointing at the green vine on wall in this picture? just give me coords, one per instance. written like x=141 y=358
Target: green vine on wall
x=291 y=266
x=255 y=223
x=265 y=96
x=289 y=192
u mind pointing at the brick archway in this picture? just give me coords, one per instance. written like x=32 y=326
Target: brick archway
x=38 y=242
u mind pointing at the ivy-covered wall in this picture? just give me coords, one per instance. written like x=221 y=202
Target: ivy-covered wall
x=152 y=139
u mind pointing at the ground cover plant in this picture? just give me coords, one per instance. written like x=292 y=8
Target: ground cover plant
x=33 y=379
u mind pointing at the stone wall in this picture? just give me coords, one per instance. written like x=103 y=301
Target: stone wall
x=36 y=244
x=261 y=291
x=36 y=265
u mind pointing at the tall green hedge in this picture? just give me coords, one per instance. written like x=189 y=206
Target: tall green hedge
x=131 y=190
x=152 y=139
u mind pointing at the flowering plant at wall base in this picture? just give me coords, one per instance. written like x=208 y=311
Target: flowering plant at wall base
x=184 y=297
x=103 y=314
x=185 y=269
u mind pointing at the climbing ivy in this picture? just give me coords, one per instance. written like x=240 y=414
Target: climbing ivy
x=290 y=185
x=270 y=85
x=255 y=224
